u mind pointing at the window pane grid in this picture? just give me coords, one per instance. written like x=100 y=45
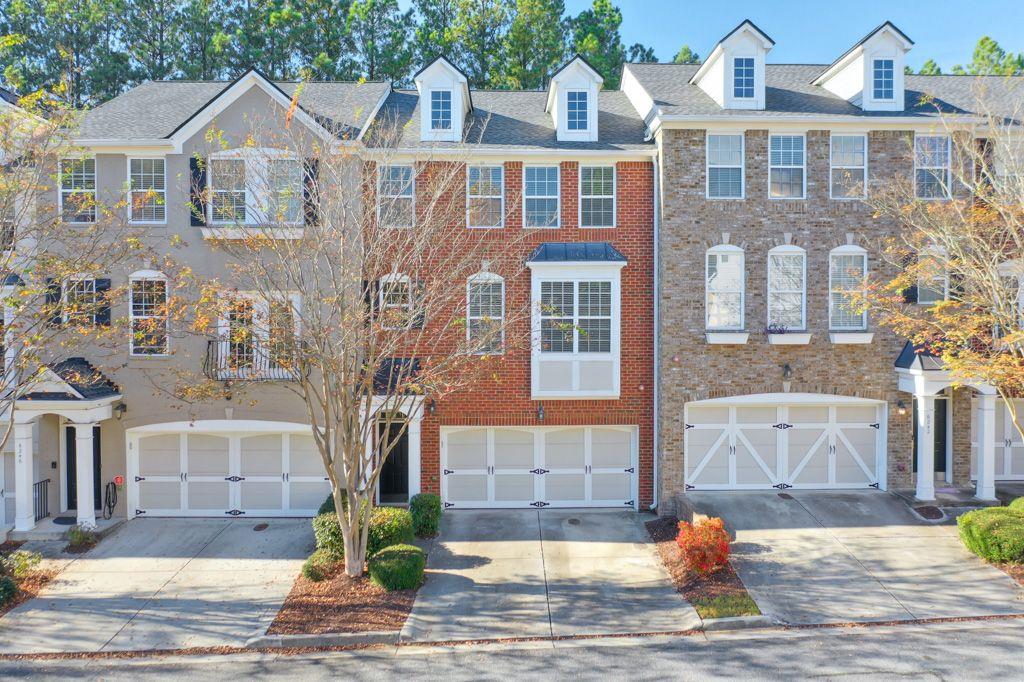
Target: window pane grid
x=846 y=277
x=931 y=157
x=849 y=166
x=78 y=190
x=227 y=178
x=576 y=313
x=725 y=291
x=396 y=196
x=576 y=110
x=485 y=310
x=148 y=190
x=485 y=189
x=743 y=77
x=284 y=180
x=440 y=110
x=786 y=290
x=725 y=166
x=80 y=301
x=149 y=317
x=883 y=79
x=786 y=156
x=597 y=189
x=541 y=196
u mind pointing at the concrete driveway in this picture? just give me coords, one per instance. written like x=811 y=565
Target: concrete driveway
x=821 y=557
x=165 y=584
x=515 y=573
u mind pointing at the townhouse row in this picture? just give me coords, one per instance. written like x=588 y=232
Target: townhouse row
x=688 y=247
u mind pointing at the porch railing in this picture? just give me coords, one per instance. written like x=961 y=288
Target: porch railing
x=251 y=361
x=41 y=498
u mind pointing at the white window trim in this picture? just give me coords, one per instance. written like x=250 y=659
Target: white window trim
x=575 y=272
x=831 y=166
x=803 y=194
x=708 y=166
x=64 y=286
x=947 y=182
x=558 y=197
x=451 y=111
x=788 y=250
x=729 y=249
x=846 y=250
x=879 y=58
x=147 y=276
x=163 y=192
x=61 y=191
x=381 y=195
x=614 y=197
x=486 y=278
x=249 y=157
x=469 y=196
x=261 y=307
x=753 y=95
x=586 y=119
x=381 y=306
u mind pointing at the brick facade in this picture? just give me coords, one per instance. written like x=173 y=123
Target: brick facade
x=692 y=369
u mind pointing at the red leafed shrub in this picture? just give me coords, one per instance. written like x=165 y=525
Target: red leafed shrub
x=705 y=545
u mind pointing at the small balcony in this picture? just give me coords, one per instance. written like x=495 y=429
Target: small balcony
x=253 y=360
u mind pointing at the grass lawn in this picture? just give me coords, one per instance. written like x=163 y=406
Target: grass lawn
x=726 y=606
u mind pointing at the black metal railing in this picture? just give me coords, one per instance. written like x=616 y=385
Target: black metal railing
x=250 y=361
x=41 y=498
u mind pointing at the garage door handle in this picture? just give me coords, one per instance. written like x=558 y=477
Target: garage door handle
x=234 y=479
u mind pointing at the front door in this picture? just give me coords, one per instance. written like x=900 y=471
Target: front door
x=393 y=487
x=941 y=441
x=71 y=466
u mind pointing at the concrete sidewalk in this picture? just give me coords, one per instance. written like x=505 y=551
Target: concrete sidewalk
x=514 y=573
x=823 y=557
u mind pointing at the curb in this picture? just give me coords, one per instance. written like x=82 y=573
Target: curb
x=738 y=623
x=324 y=640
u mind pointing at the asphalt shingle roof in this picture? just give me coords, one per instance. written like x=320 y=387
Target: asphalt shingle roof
x=80 y=375
x=788 y=91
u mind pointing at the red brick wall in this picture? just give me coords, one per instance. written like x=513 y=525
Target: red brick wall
x=502 y=397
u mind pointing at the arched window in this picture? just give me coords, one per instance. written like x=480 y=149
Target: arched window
x=787 y=288
x=847 y=268
x=147 y=308
x=724 y=290
x=485 y=313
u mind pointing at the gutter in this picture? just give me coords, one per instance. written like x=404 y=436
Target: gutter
x=655 y=456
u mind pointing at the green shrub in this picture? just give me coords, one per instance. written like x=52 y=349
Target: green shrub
x=328 y=505
x=1017 y=505
x=426 y=514
x=8 y=588
x=20 y=563
x=994 y=534
x=318 y=566
x=388 y=526
x=399 y=567
x=81 y=539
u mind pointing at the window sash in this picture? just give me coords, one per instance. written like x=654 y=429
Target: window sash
x=148 y=200
x=485 y=313
x=725 y=166
x=848 y=159
x=396 y=196
x=743 y=77
x=577 y=110
x=597 y=196
x=882 y=79
x=724 y=290
x=787 y=290
x=440 y=109
x=395 y=301
x=931 y=166
x=786 y=166
x=576 y=316
x=541 y=196
x=485 y=192
x=78 y=190
x=148 y=312
x=846 y=278
x=80 y=301
x=228 y=197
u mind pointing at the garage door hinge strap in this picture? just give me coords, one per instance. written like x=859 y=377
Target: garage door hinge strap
x=448 y=471
x=873 y=485
x=782 y=486
x=139 y=511
x=875 y=426
x=629 y=470
x=539 y=504
x=630 y=503
x=782 y=425
x=449 y=504
x=140 y=478
x=687 y=427
x=539 y=471
x=235 y=512
x=234 y=479
x=687 y=486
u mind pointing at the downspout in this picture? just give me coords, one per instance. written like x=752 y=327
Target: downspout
x=657 y=334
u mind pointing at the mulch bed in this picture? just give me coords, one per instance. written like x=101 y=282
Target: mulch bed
x=930 y=512
x=723 y=582
x=30 y=585
x=341 y=604
x=1015 y=571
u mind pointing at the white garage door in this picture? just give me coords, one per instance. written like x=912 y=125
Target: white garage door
x=1009 y=444
x=758 y=442
x=539 y=467
x=214 y=474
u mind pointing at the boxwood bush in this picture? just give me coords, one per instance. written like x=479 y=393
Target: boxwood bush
x=318 y=566
x=1018 y=505
x=426 y=514
x=8 y=588
x=388 y=526
x=399 y=567
x=994 y=534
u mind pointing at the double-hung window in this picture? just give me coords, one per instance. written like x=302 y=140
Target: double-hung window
x=485 y=196
x=743 y=77
x=932 y=277
x=396 y=191
x=882 y=79
x=849 y=159
x=148 y=199
x=787 y=289
x=931 y=166
x=724 y=292
x=597 y=196
x=485 y=313
x=227 y=196
x=8 y=234
x=395 y=301
x=80 y=301
x=255 y=187
x=576 y=316
x=78 y=190
x=725 y=166
x=786 y=167
x=540 y=196
x=847 y=269
x=148 y=309
x=577 y=111
x=440 y=109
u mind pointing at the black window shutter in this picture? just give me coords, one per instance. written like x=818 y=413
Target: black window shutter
x=53 y=302
x=103 y=302
x=956 y=286
x=419 y=314
x=370 y=293
x=910 y=293
x=311 y=192
x=197 y=189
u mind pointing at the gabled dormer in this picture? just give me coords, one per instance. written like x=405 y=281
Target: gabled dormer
x=733 y=74
x=870 y=74
x=444 y=101
x=572 y=101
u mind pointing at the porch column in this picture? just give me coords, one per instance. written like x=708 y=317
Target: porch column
x=24 y=475
x=986 y=447
x=84 y=476
x=413 y=435
x=925 y=447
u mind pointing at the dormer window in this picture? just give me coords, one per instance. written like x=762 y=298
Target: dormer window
x=577 y=110
x=743 y=77
x=883 y=79
x=440 y=109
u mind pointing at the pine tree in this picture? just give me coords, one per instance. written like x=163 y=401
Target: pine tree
x=930 y=68
x=479 y=34
x=595 y=36
x=151 y=37
x=204 y=41
x=991 y=59
x=639 y=53
x=535 y=44
x=434 y=22
x=380 y=33
x=686 y=56
x=323 y=46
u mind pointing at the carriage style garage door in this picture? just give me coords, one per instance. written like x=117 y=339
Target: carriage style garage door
x=192 y=472
x=784 y=441
x=539 y=467
x=1009 y=444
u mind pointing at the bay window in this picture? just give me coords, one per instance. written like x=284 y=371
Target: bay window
x=255 y=187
